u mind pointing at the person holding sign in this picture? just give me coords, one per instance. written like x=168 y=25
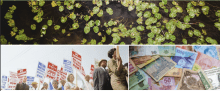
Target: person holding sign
x=101 y=77
x=23 y=85
x=69 y=85
x=45 y=86
x=116 y=70
x=55 y=85
x=34 y=86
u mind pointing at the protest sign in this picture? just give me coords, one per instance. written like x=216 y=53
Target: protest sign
x=63 y=74
x=92 y=70
x=20 y=74
x=12 y=80
x=30 y=79
x=51 y=71
x=41 y=70
x=67 y=66
x=4 y=81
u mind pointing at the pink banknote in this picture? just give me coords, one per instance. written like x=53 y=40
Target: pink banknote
x=166 y=83
x=206 y=62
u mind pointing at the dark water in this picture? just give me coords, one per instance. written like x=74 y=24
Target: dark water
x=23 y=17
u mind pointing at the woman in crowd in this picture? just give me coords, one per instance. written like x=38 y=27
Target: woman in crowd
x=116 y=71
x=45 y=86
x=69 y=85
x=55 y=85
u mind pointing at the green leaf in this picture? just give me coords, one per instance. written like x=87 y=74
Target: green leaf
x=150 y=35
x=217 y=13
x=172 y=15
x=109 y=11
x=131 y=7
x=61 y=8
x=140 y=28
x=63 y=31
x=110 y=23
x=147 y=14
x=139 y=20
x=166 y=10
x=91 y=23
x=49 y=22
x=83 y=41
x=174 y=3
x=57 y=27
x=8 y=15
x=73 y=16
x=122 y=43
x=63 y=19
x=69 y=7
x=97 y=22
x=55 y=40
x=15 y=29
x=155 y=10
x=186 y=19
x=106 y=2
x=92 y=42
x=190 y=33
x=197 y=32
x=41 y=3
x=100 y=13
x=115 y=29
x=201 y=3
x=164 y=1
x=53 y=4
x=172 y=37
x=205 y=10
x=78 y=5
x=11 y=22
x=201 y=25
x=139 y=14
x=96 y=29
x=95 y=10
x=33 y=27
x=108 y=31
x=3 y=40
x=75 y=26
x=157 y=15
x=86 y=18
x=103 y=39
x=184 y=41
x=86 y=29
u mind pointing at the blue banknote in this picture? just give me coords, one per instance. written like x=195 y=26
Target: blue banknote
x=184 y=58
x=208 y=50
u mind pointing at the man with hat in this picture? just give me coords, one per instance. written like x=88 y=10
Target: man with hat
x=34 y=86
x=23 y=85
x=101 y=77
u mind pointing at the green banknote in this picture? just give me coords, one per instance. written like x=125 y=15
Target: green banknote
x=140 y=86
x=167 y=50
x=205 y=80
x=136 y=78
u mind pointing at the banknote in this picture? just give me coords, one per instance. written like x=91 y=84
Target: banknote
x=158 y=68
x=136 y=51
x=166 y=83
x=136 y=78
x=153 y=58
x=218 y=51
x=189 y=48
x=184 y=58
x=208 y=50
x=166 y=50
x=206 y=62
x=205 y=80
x=132 y=67
x=175 y=72
x=141 y=59
x=196 y=67
x=214 y=77
x=190 y=80
x=140 y=86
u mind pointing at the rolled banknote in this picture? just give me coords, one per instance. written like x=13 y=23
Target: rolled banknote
x=189 y=48
x=208 y=50
x=141 y=59
x=166 y=50
x=166 y=83
x=175 y=72
x=147 y=61
x=136 y=78
x=158 y=68
x=214 y=77
x=205 y=80
x=190 y=80
x=218 y=51
x=140 y=86
x=206 y=62
x=184 y=58
x=132 y=67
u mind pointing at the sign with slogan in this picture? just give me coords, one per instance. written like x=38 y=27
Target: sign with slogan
x=76 y=55
x=82 y=71
x=51 y=71
x=63 y=74
x=77 y=59
x=58 y=75
x=30 y=79
x=4 y=81
x=41 y=68
x=12 y=80
x=68 y=66
x=20 y=74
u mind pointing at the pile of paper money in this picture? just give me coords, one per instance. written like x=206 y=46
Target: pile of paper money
x=174 y=67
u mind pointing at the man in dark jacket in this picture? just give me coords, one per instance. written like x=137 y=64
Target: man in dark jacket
x=23 y=85
x=101 y=77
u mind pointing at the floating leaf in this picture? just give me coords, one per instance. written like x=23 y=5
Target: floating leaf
x=109 y=11
x=197 y=32
x=201 y=3
x=3 y=40
x=11 y=22
x=110 y=23
x=78 y=5
x=147 y=14
x=72 y=16
x=63 y=31
x=172 y=37
x=15 y=29
x=131 y=7
x=100 y=13
x=190 y=33
x=55 y=40
x=139 y=14
x=106 y=2
x=201 y=25
x=150 y=35
x=41 y=3
x=108 y=31
x=205 y=10
x=69 y=7
x=61 y=8
x=33 y=27
x=12 y=33
x=95 y=10
x=75 y=25
x=53 y=3
x=103 y=39
x=44 y=27
x=86 y=18
x=49 y=22
x=140 y=28
x=8 y=15
x=57 y=27
x=96 y=29
x=186 y=19
x=97 y=22
x=184 y=41
x=86 y=29
x=83 y=41
x=217 y=13
x=91 y=23
x=63 y=19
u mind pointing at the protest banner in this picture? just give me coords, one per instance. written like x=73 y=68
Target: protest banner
x=4 y=81
x=41 y=70
x=51 y=71
x=12 y=80
x=30 y=79
x=58 y=75
x=77 y=60
x=67 y=66
x=20 y=74
x=63 y=74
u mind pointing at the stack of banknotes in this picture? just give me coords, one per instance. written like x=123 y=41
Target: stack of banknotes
x=174 y=68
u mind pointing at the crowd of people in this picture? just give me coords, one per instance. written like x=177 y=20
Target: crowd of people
x=113 y=78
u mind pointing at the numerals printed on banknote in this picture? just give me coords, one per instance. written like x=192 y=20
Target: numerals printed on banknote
x=190 y=80
x=136 y=78
x=208 y=50
x=166 y=50
x=206 y=62
x=166 y=83
x=158 y=68
x=214 y=77
x=184 y=58
x=132 y=67
x=175 y=72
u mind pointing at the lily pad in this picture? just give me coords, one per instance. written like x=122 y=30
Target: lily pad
x=57 y=27
x=86 y=29
x=61 y=8
x=109 y=11
x=75 y=26
x=97 y=22
x=95 y=10
x=49 y=22
x=63 y=19
x=33 y=27
x=96 y=29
